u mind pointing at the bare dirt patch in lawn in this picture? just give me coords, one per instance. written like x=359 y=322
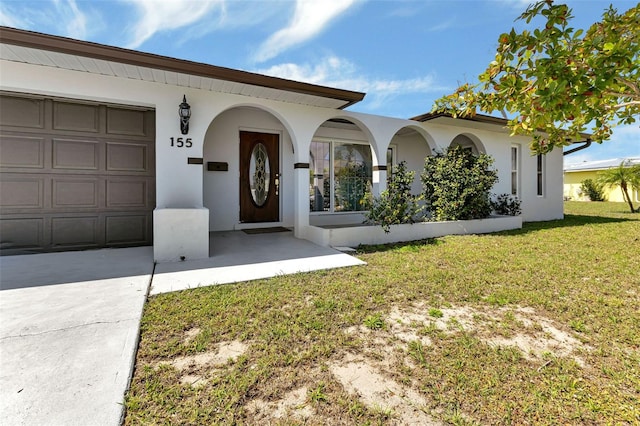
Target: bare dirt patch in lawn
x=371 y=376
x=534 y=335
x=293 y=404
x=191 y=334
x=194 y=368
x=361 y=378
x=368 y=376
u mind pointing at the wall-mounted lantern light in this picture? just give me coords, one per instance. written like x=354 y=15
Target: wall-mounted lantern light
x=184 y=111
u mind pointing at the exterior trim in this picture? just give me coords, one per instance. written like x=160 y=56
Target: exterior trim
x=195 y=160
x=301 y=165
x=482 y=118
x=477 y=117
x=380 y=168
x=70 y=46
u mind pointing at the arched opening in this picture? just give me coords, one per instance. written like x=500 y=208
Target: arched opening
x=248 y=173
x=341 y=163
x=411 y=145
x=469 y=142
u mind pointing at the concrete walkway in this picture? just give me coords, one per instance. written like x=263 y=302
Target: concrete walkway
x=68 y=333
x=69 y=322
x=236 y=257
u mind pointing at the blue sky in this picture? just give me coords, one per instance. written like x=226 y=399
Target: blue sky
x=403 y=53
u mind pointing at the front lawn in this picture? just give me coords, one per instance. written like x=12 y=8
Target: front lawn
x=533 y=326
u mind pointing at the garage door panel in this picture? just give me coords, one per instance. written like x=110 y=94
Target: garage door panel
x=74 y=231
x=75 y=117
x=22 y=112
x=21 y=151
x=17 y=192
x=128 y=230
x=127 y=157
x=72 y=154
x=21 y=233
x=128 y=193
x=126 y=122
x=74 y=193
x=66 y=183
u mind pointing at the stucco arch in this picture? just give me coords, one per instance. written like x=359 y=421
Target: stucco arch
x=411 y=144
x=346 y=119
x=469 y=140
x=429 y=140
x=256 y=106
x=342 y=162
x=221 y=146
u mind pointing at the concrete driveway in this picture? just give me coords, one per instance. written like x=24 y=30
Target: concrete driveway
x=69 y=324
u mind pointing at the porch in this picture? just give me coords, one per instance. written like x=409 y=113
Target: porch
x=236 y=256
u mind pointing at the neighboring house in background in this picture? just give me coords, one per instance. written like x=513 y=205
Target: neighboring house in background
x=92 y=153
x=575 y=174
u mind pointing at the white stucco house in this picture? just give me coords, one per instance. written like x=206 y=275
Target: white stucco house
x=93 y=155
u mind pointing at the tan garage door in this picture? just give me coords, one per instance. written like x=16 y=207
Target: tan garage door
x=74 y=175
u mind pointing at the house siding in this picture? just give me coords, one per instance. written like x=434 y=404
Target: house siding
x=217 y=119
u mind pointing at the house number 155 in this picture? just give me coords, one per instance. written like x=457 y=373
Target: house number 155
x=181 y=142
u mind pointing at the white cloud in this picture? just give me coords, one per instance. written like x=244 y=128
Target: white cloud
x=159 y=15
x=75 y=20
x=58 y=16
x=333 y=71
x=9 y=18
x=309 y=19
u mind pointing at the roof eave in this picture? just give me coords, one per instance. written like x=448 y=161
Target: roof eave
x=70 y=46
x=480 y=118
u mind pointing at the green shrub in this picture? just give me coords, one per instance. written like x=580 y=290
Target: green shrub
x=506 y=205
x=396 y=204
x=456 y=184
x=593 y=189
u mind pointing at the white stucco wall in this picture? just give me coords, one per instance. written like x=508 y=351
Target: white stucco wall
x=214 y=137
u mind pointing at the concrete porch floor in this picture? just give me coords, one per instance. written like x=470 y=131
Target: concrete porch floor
x=236 y=256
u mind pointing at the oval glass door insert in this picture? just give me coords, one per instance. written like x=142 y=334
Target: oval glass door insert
x=260 y=172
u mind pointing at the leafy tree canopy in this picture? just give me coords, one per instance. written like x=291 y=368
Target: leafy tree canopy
x=558 y=82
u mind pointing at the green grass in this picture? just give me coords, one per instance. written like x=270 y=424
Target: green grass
x=582 y=273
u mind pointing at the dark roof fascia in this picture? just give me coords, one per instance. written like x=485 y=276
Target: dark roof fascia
x=481 y=118
x=133 y=57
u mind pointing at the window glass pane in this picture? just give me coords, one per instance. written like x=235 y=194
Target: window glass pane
x=514 y=170
x=319 y=178
x=260 y=172
x=352 y=175
x=390 y=163
x=540 y=173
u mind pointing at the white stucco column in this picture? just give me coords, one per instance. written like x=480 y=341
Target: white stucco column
x=379 y=179
x=180 y=222
x=301 y=199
